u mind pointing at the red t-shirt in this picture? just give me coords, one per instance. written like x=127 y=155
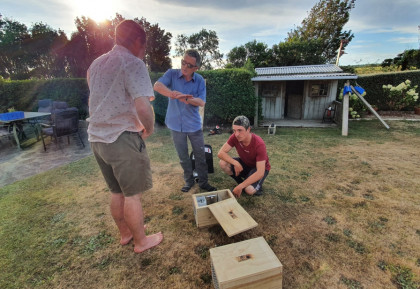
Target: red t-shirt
x=253 y=153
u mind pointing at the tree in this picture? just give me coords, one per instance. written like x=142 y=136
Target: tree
x=255 y=52
x=92 y=40
x=34 y=52
x=325 y=23
x=297 y=52
x=387 y=62
x=207 y=45
x=158 y=46
x=89 y=42
x=237 y=57
x=45 y=53
x=43 y=50
x=13 y=61
x=409 y=59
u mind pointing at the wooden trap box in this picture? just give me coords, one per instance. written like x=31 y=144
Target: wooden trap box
x=247 y=264
x=221 y=207
x=201 y=202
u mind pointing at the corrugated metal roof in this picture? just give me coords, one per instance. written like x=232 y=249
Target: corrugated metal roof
x=329 y=76
x=305 y=72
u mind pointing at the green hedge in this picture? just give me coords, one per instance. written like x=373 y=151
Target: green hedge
x=230 y=93
x=24 y=94
x=373 y=85
x=161 y=102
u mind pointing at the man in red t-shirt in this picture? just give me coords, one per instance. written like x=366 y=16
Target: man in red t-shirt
x=251 y=168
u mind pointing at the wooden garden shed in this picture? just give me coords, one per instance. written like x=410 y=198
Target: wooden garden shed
x=297 y=92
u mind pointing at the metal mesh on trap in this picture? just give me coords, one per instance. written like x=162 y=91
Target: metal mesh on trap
x=214 y=277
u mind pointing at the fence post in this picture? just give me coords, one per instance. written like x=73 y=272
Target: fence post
x=345 y=116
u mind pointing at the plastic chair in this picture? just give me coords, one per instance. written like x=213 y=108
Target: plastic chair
x=45 y=105
x=65 y=123
x=59 y=105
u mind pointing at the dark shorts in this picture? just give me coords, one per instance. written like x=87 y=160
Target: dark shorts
x=247 y=171
x=125 y=164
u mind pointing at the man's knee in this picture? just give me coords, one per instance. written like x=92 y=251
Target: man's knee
x=225 y=166
x=250 y=190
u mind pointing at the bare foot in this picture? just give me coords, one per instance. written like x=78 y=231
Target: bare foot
x=150 y=242
x=126 y=240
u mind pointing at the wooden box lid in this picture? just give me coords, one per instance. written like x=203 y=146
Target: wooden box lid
x=245 y=262
x=232 y=217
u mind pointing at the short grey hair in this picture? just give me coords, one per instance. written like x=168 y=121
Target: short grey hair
x=194 y=53
x=241 y=120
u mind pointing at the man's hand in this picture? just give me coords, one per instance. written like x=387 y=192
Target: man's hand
x=174 y=94
x=179 y=95
x=237 y=191
x=238 y=168
x=145 y=114
x=145 y=134
x=186 y=100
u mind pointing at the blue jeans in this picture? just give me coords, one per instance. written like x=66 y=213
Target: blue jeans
x=197 y=144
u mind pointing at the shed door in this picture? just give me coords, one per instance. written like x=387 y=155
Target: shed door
x=271 y=105
x=294 y=99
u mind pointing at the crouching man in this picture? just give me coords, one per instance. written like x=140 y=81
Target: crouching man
x=251 y=168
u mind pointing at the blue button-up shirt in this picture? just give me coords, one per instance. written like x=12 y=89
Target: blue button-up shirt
x=183 y=117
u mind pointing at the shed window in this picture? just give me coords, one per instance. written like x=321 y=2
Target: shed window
x=320 y=89
x=270 y=89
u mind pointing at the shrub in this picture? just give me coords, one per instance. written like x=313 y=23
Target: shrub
x=401 y=97
x=356 y=107
x=373 y=85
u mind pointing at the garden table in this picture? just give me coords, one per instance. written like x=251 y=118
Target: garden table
x=27 y=116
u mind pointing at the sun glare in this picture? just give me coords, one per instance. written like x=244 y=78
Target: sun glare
x=98 y=10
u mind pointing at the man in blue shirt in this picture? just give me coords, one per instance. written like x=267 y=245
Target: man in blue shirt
x=186 y=91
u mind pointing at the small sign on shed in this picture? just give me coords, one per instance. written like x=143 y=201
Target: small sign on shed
x=221 y=207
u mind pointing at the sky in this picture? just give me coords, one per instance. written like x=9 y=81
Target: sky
x=382 y=28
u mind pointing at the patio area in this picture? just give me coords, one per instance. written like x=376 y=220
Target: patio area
x=17 y=164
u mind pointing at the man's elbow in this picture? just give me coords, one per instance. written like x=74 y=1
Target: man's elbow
x=220 y=154
x=156 y=86
x=260 y=174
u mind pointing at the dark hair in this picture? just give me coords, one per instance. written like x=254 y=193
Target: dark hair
x=127 y=32
x=241 y=121
x=194 y=53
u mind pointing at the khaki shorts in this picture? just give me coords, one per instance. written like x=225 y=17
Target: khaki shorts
x=125 y=164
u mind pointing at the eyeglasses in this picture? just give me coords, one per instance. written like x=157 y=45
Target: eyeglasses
x=189 y=65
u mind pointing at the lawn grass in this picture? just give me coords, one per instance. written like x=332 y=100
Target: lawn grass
x=339 y=212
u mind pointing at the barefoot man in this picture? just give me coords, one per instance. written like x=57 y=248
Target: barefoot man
x=121 y=118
